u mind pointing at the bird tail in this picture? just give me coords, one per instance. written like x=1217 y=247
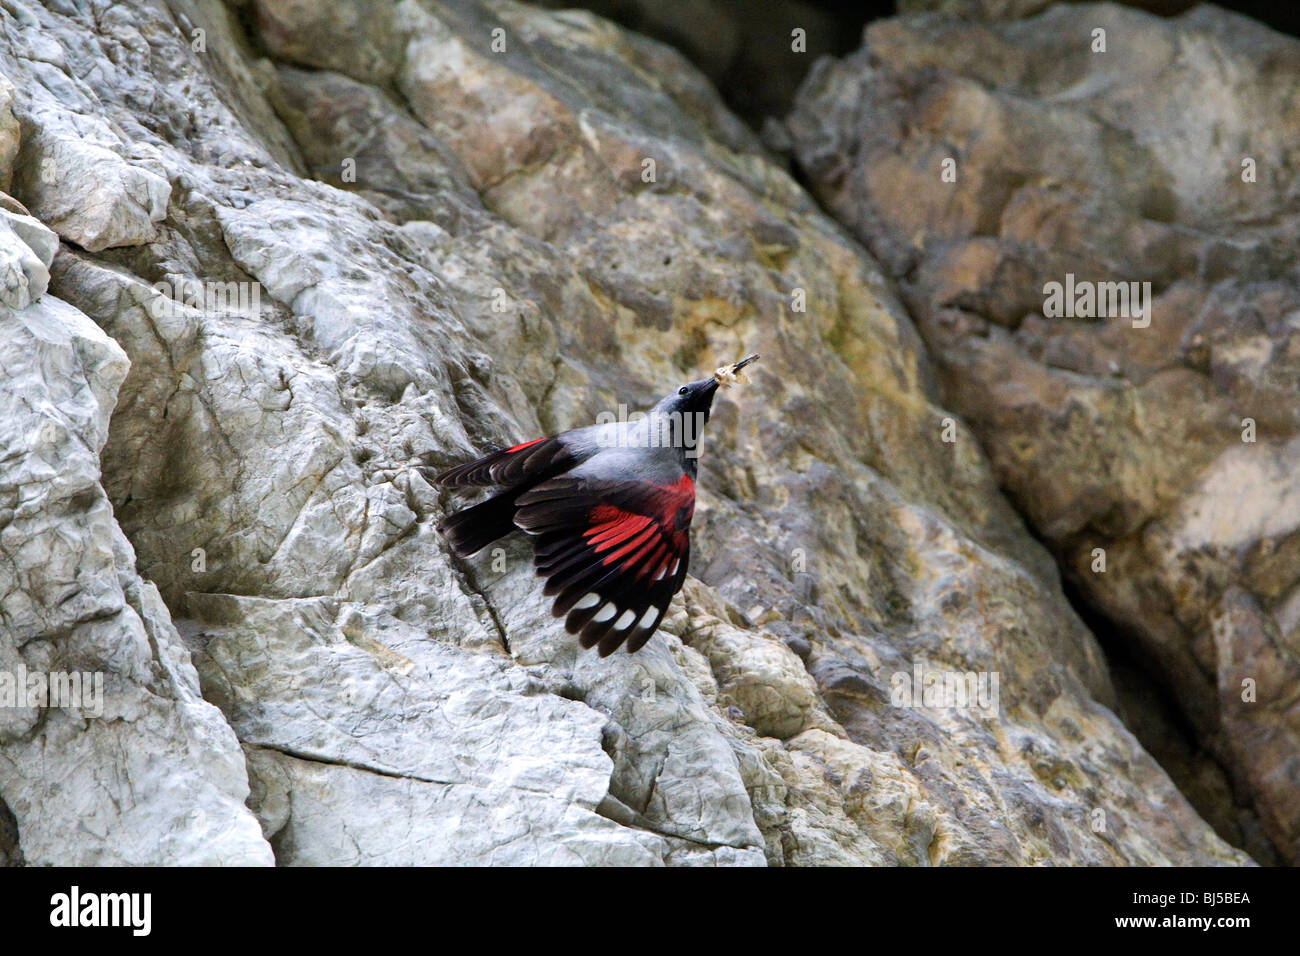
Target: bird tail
x=473 y=529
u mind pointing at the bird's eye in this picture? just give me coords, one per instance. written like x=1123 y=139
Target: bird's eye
x=683 y=390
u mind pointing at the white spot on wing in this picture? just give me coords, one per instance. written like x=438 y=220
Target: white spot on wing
x=623 y=622
x=673 y=569
x=605 y=613
x=589 y=600
x=648 y=617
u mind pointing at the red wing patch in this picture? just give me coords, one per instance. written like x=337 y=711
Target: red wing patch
x=613 y=553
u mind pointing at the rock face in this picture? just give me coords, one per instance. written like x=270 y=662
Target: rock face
x=1157 y=456
x=754 y=52
x=141 y=769
x=336 y=241
x=1015 y=9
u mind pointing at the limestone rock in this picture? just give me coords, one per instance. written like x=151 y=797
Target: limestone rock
x=530 y=237
x=86 y=192
x=27 y=248
x=1157 y=453
x=141 y=770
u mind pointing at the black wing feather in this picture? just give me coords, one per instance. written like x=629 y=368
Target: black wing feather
x=613 y=553
x=510 y=466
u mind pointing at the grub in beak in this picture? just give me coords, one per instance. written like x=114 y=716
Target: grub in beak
x=729 y=375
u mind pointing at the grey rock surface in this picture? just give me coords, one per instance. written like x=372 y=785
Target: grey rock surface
x=148 y=771
x=408 y=247
x=1156 y=455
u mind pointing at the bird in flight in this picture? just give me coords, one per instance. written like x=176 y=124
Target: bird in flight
x=608 y=507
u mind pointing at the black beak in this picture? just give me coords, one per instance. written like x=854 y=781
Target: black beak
x=742 y=363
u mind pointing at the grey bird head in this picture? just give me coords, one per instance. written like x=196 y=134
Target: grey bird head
x=678 y=419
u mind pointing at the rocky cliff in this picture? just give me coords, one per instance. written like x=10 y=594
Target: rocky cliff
x=1156 y=455
x=263 y=260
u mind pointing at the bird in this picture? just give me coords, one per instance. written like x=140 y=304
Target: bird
x=608 y=508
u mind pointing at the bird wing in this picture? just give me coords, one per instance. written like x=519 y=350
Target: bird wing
x=510 y=466
x=613 y=553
